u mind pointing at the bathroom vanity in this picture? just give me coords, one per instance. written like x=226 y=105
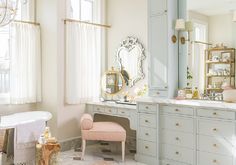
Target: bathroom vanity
x=172 y=132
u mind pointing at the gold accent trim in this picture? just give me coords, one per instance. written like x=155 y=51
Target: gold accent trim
x=86 y=22
x=27 y=22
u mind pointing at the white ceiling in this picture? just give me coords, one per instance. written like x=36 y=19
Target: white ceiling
x=212 y=7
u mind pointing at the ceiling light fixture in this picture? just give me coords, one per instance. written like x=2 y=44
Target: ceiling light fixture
x=8 y=9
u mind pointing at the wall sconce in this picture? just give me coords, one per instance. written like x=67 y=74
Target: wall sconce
x=182 y=25
x=234 y=16
x=179 y=25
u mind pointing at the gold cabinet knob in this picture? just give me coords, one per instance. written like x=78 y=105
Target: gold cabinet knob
x=214 y=129
x=147 y=134
x=109 y=110
x=177 y=124
x=177 y=138
x=123 y=112
x=158 y=93
x=214 y=161
x=146 y=121
x=177 y=110
x=177 y=153
x=214 y=113
x=214 y=145
x=147 y=107
x=146 y=147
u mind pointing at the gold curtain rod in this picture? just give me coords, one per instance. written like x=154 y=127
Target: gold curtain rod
x=85 y=22
x=200 y=42
x=28 y=22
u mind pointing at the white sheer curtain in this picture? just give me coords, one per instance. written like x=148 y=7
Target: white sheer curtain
x=25 y=63
x=83 y=62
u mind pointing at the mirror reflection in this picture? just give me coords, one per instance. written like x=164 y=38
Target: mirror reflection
x=130 y=56
x=207 y=45
x=112 y=82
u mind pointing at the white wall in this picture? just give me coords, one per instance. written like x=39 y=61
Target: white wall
x=221 y=30
x=127 y=18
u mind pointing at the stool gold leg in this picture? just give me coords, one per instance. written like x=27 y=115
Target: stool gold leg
x=123 y=150
x=83 y=149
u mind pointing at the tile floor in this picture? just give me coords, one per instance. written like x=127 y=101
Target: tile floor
x=99 y=154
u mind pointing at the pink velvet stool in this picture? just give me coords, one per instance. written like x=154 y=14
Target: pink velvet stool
x=105 y=131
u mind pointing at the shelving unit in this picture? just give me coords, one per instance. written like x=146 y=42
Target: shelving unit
x=219 y=69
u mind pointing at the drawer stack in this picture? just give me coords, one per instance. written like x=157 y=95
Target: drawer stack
x=177 y=139
x=215 y=135
x=147 y=133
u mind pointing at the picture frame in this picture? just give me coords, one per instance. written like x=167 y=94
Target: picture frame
x=226 y=56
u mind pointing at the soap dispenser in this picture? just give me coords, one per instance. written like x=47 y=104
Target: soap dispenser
x=195 y=93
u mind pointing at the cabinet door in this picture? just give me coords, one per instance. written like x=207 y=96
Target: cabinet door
x=158 y=57
x=157 y=7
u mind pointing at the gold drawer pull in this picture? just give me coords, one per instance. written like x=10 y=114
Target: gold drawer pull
x=122 y=112
x=109 y=110
x=214 y=113
x=177 y=138
x=146 y=121
x=177 y=110
x=215 y=129
x=98 y=109
x=214 y=161
x=214 y=145
x=158 y=93
x=177 y=124
x=147 y=134
x=147 y=107
x=177 y=153
x=146 y=147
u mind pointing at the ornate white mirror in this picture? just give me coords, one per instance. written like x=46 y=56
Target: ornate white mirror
x=130 y=57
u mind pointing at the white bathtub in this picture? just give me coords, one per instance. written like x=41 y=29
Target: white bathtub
x=11 y=121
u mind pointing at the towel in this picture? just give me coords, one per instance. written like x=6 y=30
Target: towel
x=26 y=136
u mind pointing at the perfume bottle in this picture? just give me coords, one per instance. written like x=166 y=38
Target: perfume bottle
x=195 y=93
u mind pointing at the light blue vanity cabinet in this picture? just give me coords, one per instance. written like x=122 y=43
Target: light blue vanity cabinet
x=163 y=54
x=157 y=7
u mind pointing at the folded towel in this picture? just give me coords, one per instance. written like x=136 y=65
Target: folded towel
x=26 y=135
x=29 y=132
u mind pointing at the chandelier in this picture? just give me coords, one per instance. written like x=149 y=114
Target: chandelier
x=8 y=9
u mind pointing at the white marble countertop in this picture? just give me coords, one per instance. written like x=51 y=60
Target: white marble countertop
x=11 y=121
x=192 y=103
x=112 y=104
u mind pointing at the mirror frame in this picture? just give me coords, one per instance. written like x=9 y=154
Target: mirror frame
x=112 y=72
x=128 y=44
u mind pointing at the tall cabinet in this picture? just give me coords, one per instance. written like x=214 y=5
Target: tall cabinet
x=163 y=53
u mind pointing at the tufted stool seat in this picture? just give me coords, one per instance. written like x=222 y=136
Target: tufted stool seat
x=105 y=131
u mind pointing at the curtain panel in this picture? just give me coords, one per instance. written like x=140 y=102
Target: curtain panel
x=83 y=62
x=25 y=63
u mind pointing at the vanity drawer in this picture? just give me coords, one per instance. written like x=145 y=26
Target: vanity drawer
x=205 y=158
x=158 y=93
x=216 y=128
x=177 y=153
x=177 y=123
x=216 y=114
x=169 y=162
x=178 y=138
x=147 y=148
x=123 y=112
x=99 y=109
x=147 y=108
x=147 y=134
x=177 y=110
x=110 y=110
x=214 y=145
x=147 y=120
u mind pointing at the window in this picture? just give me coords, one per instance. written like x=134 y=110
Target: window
x=81 y=10
x=25 y=12
x=84 y=43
